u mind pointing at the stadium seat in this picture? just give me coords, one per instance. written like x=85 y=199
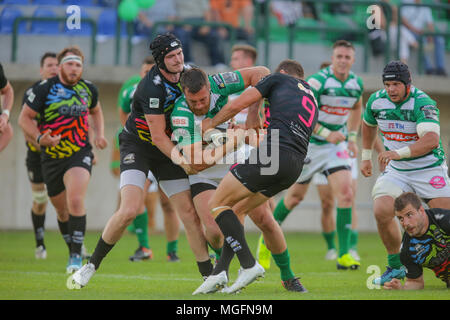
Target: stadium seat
x=107 y=21
x=85 y=28
x=18 y=2
x=48 y=2
x=82 y=3
x=7 y=17
x=45 y=27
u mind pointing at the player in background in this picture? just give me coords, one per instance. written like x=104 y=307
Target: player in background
x=414 y=159
x=333 y=144
x=48 y=69
x=6 y=104
x=63 y=104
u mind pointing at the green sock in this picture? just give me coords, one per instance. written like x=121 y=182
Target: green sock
x=394 y=261
x=283 y=262
x=281 y=212
x=329 y=238
x=218 y=252
x=172 y=246
x=344 y=228
x=353 y=239
x=141 y=226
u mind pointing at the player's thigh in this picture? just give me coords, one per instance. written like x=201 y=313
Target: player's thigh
x=229 y=192
x=295 y=194
x=341 y=184
x=443 y=202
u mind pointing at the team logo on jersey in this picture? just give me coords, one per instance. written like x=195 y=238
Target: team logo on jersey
x=31 y=96
x=157 y=79
x=437 y=182
x=430 y=112
x=154 y=103
x=230 y=77
x=87 y=160
x=180 y=121
x=129 y=159
x=218 y=80
x=400 y=136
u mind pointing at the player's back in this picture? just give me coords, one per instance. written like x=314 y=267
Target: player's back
x=293 y=110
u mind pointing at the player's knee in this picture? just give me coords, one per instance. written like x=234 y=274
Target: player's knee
x=166 y=207
x=76 y=204
x=293 y=200
x=128 y=213
x=189 y=216
x=39 y=208
x=327 y=207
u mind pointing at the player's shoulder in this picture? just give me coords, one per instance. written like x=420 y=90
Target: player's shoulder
x=88 y=83
x=181 y=115
x=317 y=80
x=379 y=94
x=151 y=85
x=181 y=107
x=421 y=98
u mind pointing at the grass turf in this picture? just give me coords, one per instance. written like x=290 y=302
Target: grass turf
x=24 y=277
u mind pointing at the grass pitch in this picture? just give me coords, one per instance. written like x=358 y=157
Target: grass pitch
x=22 y=277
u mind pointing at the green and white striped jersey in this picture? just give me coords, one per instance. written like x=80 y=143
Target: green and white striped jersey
x=186 y=125
x=398 y=122
x=335 y=98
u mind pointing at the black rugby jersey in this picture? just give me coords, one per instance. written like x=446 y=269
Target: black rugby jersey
x=292 y=110
x=430 y=250
x=154 y=95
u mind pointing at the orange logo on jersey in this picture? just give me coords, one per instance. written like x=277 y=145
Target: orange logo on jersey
x=400 y=136
x=338 y=111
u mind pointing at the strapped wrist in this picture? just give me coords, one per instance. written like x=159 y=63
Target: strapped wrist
x=404 y=152
x=366 y=154
x=352 y=135
x=38 y=139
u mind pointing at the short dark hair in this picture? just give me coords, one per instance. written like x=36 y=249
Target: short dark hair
x=292 y=67
x=248 y=50
x=193 y=79
x=343 y=43
x=406 y=198
x=149 y=60
x=47 y=55
x=324 y=65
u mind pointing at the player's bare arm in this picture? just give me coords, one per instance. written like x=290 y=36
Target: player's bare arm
x=99 y=127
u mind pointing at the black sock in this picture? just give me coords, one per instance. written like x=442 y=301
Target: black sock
x=38 y=226
x=64 y=229
x=205 y=268
x=100 y=252
x=77 y=228
x=223 y=264
x=234 y=236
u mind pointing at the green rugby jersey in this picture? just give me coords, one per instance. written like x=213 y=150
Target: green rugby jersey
x=335 y=99
x=126 y=92
x=397 y=123
x=186 y=125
